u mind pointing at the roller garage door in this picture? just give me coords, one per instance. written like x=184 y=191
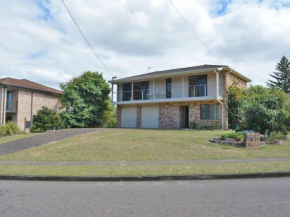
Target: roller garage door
x=129 y=117
x=150 y=117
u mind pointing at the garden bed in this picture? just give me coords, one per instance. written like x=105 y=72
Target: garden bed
x=228 y=141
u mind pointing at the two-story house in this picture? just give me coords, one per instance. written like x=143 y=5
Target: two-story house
x=171 y=99
x=20 y=99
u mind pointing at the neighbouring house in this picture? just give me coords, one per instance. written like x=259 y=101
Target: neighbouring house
x=20 y=99
x=172 y=99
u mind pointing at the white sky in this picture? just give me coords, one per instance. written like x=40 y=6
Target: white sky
x=40 y=42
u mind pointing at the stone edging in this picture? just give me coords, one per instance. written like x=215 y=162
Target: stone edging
x=146 y=178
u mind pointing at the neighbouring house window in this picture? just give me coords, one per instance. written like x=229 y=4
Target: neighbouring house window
x=168 y=88
x=210 y=112
x=127 y=92
x=141 y=90
x=197 y=86
x=9 y=104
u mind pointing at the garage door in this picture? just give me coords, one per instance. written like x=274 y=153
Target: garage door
x=129 y=117
x=150 y=117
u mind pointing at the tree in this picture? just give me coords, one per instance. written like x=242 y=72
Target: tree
x=45 y=119
x=281 y=76
x=236 y=97
x=266 y=110
x=85 y=100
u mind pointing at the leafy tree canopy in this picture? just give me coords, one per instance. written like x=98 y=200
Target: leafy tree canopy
x=281 y=78
x=86 y=100
x=266 y=110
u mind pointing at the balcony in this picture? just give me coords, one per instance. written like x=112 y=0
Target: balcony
x=11 y=106
x=175 y=93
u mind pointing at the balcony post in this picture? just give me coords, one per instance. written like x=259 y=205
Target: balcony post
x=112 y=94
x=153 y=92
x=4 y=105
x=217 y=85
x=182 y=86
x=132 y=92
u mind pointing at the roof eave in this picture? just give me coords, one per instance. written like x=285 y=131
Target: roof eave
x=31 y=89
x=163 y=75
x=240 y=75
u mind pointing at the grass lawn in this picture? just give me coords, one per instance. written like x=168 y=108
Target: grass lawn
x=144 y=170
x=14 y=138
x=143 y=145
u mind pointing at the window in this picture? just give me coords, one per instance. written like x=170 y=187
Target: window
x=127 y=91
x=197 y=85
x=141 y=90
x=168 y=88
x=9 y=104
x=210 y=112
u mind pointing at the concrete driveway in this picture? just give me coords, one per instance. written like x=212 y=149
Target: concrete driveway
x=42 y=139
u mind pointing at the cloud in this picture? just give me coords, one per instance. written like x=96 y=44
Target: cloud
x=40 y=42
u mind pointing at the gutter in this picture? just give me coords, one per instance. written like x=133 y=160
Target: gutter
x=144 y=77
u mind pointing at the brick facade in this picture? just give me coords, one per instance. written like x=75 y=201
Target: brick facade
x=172 y=117
x=28 y=104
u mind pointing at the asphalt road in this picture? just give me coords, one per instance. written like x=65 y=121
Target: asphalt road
x=251 y=197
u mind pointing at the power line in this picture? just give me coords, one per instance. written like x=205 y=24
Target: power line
x=193 y=31
x=85 y=38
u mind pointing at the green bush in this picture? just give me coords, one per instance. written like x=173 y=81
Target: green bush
x=45 y=119
x=275 y=136
x=9 y=129
x=193 y=125
x=207 y=127
x=233 y=135
x=217 y=126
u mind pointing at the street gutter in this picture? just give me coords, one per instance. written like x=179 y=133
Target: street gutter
x=145 y=178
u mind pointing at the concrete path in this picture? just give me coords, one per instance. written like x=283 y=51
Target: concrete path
x=216 y=198
x=128 y=163
x=42 y=139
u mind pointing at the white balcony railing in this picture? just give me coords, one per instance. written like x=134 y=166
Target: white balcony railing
x=156 y=94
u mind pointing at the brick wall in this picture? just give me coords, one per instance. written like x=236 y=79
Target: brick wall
x=171 y=117
x=39 y=100
x=232 y=78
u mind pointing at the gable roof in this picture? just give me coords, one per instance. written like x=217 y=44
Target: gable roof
x=26 y=84
x=180 y=70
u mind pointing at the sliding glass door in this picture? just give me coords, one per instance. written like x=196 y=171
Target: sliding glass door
x=197 y=86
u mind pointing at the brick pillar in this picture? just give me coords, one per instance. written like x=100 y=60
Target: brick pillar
x=119 y=109
x=252 y=140
x=139 y=116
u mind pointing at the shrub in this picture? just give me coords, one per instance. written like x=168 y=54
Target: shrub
x=193 y=125
x=45 y=119
x=267 y=110
x=207 y=127
x=217 y=126
x=9 y=129
x=276 y=136
x=233 y=135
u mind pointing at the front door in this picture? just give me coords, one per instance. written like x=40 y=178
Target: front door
x=185 y=117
